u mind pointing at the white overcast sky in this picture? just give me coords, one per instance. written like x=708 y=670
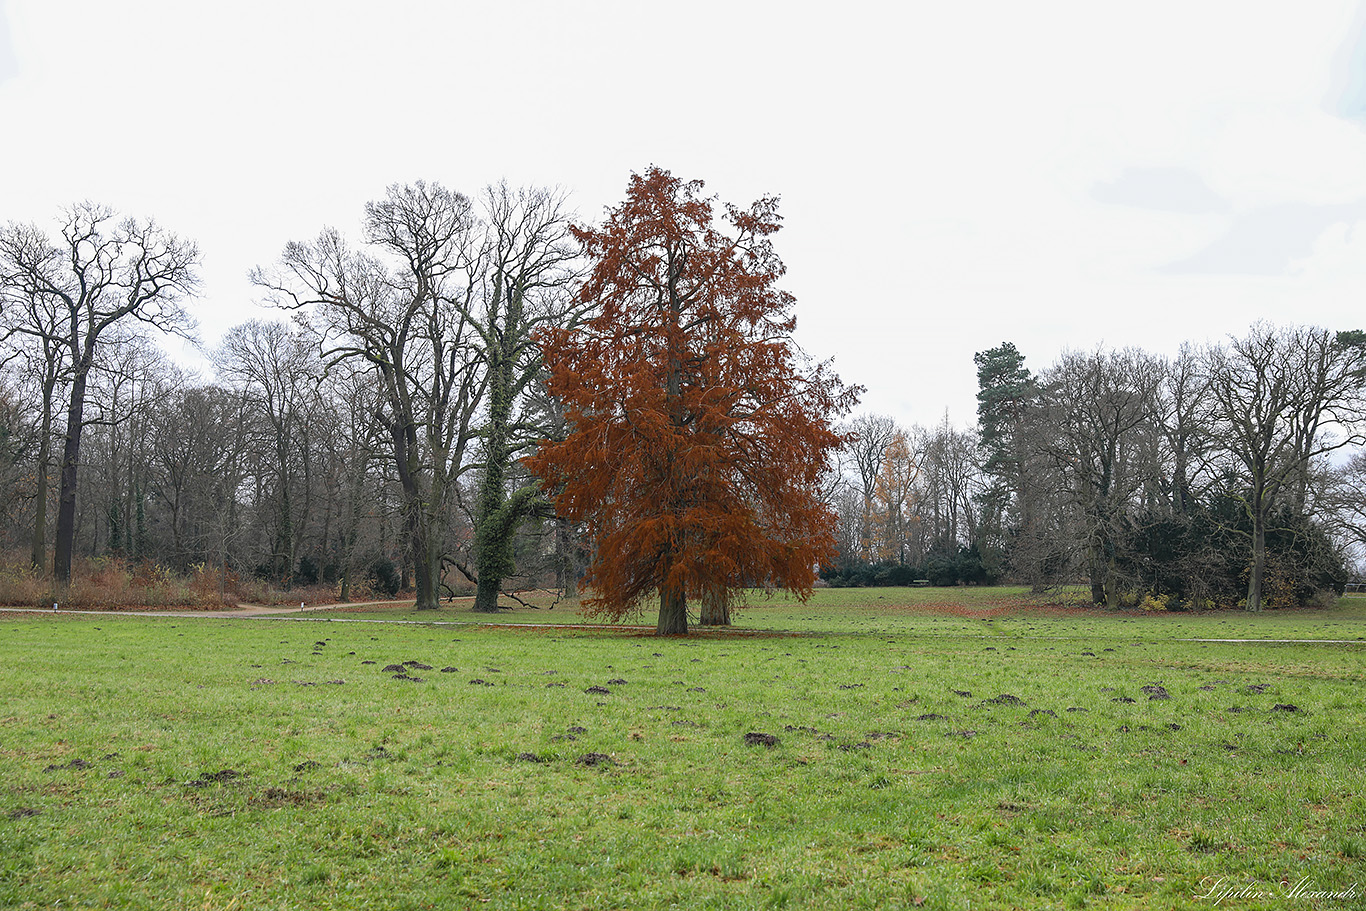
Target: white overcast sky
x=953 y=175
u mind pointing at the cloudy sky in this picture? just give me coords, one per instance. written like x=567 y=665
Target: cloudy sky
x=953 y=175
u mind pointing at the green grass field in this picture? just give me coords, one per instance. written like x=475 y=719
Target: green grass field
x=876 y=748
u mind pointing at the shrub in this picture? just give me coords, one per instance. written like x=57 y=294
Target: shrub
x=383 y=576
x=308 y=573
x=941 y=571
x=1155 y=602
x=1202 y=557
x=111 y=583
x=20 y=584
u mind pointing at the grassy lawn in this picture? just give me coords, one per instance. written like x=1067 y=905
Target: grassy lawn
x=876 y=748
x=907 y=610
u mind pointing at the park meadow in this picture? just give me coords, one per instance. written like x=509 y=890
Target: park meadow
x=871 y=748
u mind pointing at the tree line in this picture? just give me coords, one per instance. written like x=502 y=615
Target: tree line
x=374 y=437
x=1226 y=474
x=377 y=438
x=384 y=434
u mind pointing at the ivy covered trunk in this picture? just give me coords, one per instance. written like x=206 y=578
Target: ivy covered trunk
x=497 y=515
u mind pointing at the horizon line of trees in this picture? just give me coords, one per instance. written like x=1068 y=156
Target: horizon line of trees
x=1218 y=476
x=374 y=440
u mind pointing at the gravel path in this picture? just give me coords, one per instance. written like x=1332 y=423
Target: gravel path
x=242 y=610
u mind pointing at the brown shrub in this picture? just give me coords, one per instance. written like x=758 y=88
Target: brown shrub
x=112 y=583
x=20 y=584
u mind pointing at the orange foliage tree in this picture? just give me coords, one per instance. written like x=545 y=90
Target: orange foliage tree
x=699 y=433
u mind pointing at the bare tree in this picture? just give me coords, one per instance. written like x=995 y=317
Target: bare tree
x=31 y=325
x=403 y=309
x=131 y=378
x=1095 y=407
x=196 y=465
x=355 y=442
x=17 y=444
x=277 y=367
x=870 y=435
x=953 y=482
x=1342 y=503
x=1284 y=397
x=1184 y=421
x=101 y=274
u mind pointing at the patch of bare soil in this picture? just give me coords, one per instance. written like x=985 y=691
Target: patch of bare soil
x=274 y=797
x=207 y=778
x=1005 y=699
x=75 y=765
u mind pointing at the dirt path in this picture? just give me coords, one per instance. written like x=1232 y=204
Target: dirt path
x=241 y=611
x=268 y=612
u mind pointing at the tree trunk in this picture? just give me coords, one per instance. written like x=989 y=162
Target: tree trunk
x=1254 y=583
x=423 y=553
x=715 y=609
x=284 y=535
x=673 y=598
x=486 y=594
x=351 y=531
x=495 y=517
x=1097 y=585
x=566 y=568
x=427 y=571
x=1112 y=591
x=673 y=612
x=349 y=537
x=64 y=545
x=1095 y=568
x=493 y=535
x=141 y=541
x=419 y=520
x=39 y=554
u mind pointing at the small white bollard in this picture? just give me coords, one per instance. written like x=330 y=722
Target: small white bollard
x=54 y=607
x=301 y=605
